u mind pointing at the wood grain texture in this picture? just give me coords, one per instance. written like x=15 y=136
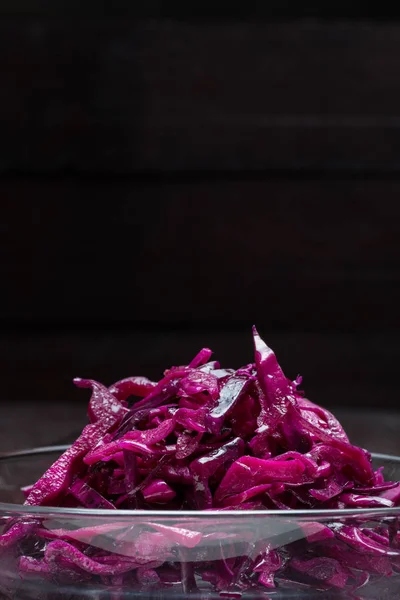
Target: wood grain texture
x=128 y=95
x=303 y=255
x=178 y=9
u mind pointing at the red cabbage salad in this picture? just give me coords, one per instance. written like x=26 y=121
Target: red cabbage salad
x=207 y=438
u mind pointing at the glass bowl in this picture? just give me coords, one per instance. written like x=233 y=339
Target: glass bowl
x=160 y=555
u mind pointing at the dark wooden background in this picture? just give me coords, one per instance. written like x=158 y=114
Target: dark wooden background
x=168 y=179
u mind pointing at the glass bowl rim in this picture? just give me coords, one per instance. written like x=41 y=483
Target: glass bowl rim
x=10 y=509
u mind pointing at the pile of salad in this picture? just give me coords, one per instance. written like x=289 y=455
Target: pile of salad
x=207 y=438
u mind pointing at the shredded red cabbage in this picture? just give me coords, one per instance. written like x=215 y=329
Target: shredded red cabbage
x=206 y=438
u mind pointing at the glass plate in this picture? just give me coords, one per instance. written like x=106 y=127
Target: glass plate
x=161 y=555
